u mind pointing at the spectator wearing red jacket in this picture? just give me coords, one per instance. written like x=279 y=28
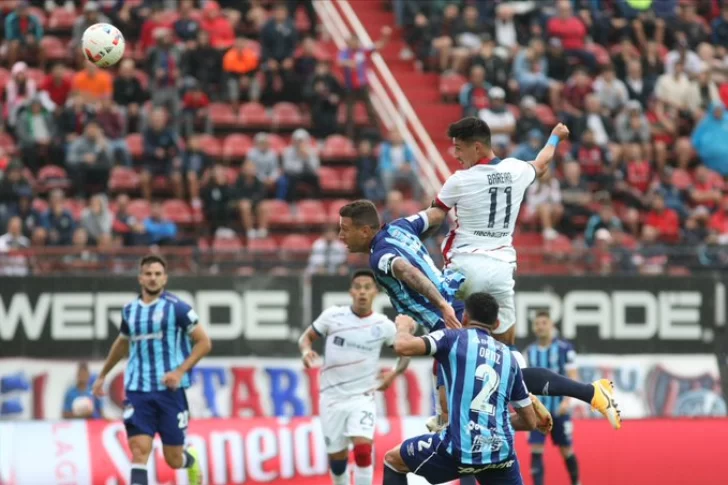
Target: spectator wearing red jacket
x=218 y=26
x=57 y=86
x=572 y=32
x=665 y=220
x=147 y=39
x=719 y=220
x=194 y=109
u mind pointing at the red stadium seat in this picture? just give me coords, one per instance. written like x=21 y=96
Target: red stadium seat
x=279 y=213
x=286 y=116
x=258 y=246
x=53 y=177
x=681 y=179
x=228 y=245
x=277 y=143
x=334 y=208
x=211 y=146
x=311 y=212
x=135 y=142
x=75 y=207
x=123 y=179
x=4 y=76
x=451 y=84
x=561 y=246
x=236 y=146
x=61 y=20
x=53 y=48
x=329 y=179
x=177 y=211
x=7 y=144
x=36 y=75
x=361 y=117
x=545 y=115
x=296 y=243
x=40 y=15
x=601 y=54
x=139 y=209
x=338 y=148
x=253 y=115
x=222 y=114
x=348 y=180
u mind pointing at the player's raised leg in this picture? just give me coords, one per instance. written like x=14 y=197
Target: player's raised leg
x=174 y=420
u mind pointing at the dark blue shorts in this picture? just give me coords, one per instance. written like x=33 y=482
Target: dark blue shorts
x=425 y=457
x=561 y=433
x=163 y=412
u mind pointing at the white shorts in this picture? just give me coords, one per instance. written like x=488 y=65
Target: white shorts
x=343 y=420
x=489 y=275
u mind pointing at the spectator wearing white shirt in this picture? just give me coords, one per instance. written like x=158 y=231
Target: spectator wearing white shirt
x=691 y=60
x=543 y=199
x=300 y=165
x=328 y=255
x=499 y=118
x=612 y=92
x=266 y=161
x=13 y=264
x=675 y=89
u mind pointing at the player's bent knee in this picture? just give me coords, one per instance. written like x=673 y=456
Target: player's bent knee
x=338 y=467
x=140 y=447
x=394 y=460
x=363 y=454
x=173 y=455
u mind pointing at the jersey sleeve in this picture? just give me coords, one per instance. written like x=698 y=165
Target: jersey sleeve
x=124 y=329
x=390 y=331
x=570 y=357
x=438 y=343
x=529 y=174
x=382 y=259
x=187 y=318
x=449 y=194
x=519 y=393
x=323 y=322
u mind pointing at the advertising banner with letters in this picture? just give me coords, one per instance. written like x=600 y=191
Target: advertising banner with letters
x=647 y=386
x=276 y=451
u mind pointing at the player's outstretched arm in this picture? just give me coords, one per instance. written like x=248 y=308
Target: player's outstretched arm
x=435 y=217
x=119 y=349
x=546 y=155
x=416 y=279
x=305 y=344
x=406 y=344
x=524 y=419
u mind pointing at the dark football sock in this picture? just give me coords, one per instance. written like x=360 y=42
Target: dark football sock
x=392 y=477
x=537 y=468
x=543 y=382
x=573 y=467
x=467 y=480
x=189 y=460
x=139 y=475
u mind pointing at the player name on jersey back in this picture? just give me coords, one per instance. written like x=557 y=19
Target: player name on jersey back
x=487 y=198
x=352 y=349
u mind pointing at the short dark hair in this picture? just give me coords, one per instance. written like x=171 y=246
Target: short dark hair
x=366 y=273
x=544 y=314
x=470 y=129
x=483 y=308
x=362 y=213
x=151 y=259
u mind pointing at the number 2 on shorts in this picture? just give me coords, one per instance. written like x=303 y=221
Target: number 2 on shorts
x=490 y=379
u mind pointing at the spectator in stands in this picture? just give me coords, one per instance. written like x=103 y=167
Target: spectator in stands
x=266 y=161
x=651 y=257
x=572 y=32
x=543 y=199
x=575 y=198
x=530 y=69
x=612 y=92
x=218 y=198
x=278 y=38
x=324 y=98
x=73 y=119
x=58 y=221
x=18 y=91
x=328 y=255
x=501 y=121
x=663 y=121
x=12 y=185
x=203 y=63
x=705 y=191
x=93 y=83
x=186 y=27
x=308 y=10
x=528 y=150
x=217 y=26
x=635 y=177
x=300 y=165
x=394 y=207
x=719 y=221
x=419 y=39
x=307 y=59
x=706 y=92
x=57 y=87
x=154 y=20
x=368 y=179
x=240 y=64
x=90 y=159
x=280 y=83
x=497 y=71
x=528 y=120
x=13 y=240
x=577 y=88
x=31 y=217
x=672 y=196
x=36 y=131
x=91 y=16
x=397 y=165
x=467 y=34
x=195 y=112
x=160 y=230
x=631 y=125
x=194 y=162
x=683 y=55
x=558 y=64
x=161 y=155
x=710 y=139
x=127 y=229
x=129 y=95
x=80 y=257
x=473 y=95
x=111 y=122
x=354 y=59
x=81 y=389
x=676 y=89
x=719 y=27
x=605 y=218
x=592 y=118
x=666 y=221
x=443 y=33
x=249 y=193
x=639 y=87
x=163 y=68
x=23 y=33
x=97 y=219
x=595 y=161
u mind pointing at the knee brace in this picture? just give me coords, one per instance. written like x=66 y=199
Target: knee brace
x=338 y=467
x=363 y=454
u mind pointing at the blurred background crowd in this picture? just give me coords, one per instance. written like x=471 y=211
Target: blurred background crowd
x=237 y=125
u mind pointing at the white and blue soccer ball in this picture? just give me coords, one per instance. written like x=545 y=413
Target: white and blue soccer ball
x=103 y=44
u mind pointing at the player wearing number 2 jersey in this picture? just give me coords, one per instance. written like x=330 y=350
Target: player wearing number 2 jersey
x=486 y=197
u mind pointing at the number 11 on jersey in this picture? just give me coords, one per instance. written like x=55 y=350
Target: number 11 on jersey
x=494 y=206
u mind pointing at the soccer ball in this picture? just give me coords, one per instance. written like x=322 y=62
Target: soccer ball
x=103 y=44
x=82 y=406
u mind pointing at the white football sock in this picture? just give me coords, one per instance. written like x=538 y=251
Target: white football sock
x=363 y=476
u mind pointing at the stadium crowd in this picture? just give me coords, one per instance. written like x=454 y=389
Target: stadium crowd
x=232 y=121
